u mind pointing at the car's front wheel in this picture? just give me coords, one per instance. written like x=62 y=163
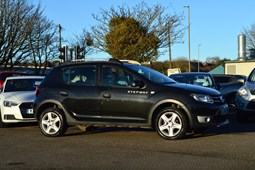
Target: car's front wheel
x=171 y=123
x=52 y=122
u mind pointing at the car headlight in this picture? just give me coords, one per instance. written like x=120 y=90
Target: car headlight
x=202 y=98
x=243 y=92
x=10 y=103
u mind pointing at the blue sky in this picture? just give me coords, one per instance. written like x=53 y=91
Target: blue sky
x=215 y=24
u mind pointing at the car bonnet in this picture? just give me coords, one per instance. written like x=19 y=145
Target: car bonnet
x=195 y=89
x=26 y=96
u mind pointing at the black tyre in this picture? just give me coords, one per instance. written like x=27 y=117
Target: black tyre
x=52 y=123
x=171 y=123
x=2 y=124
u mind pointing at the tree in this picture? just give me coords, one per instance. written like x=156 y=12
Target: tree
x=181 y=63
x=127 y=39
x=24 y=31
x=85 y=41
x=43 y=42
x=250 y=37
x=127 y=29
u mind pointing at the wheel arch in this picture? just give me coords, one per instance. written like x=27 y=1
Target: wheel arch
x=169 y=103
x=48 y=104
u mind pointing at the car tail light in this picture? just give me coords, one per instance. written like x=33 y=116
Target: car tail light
x=38 y=91
x=1 y=83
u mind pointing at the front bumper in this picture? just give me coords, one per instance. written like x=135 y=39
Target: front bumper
x=210 y=116
x=20 y=113
x=245 y=105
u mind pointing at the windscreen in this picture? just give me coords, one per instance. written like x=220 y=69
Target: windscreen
x=150 y=74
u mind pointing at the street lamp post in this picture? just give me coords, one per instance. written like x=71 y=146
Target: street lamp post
x=188 y=32
x=169 y=46
x=198 y=54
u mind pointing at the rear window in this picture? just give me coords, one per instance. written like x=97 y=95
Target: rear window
x=15 y=85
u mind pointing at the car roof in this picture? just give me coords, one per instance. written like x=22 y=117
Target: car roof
x=191 y=73
x=98 y=61
x=228 y=75
x=11 y=72
x=25 y=77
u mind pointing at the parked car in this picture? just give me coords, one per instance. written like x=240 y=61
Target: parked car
x=245 y=99
x=114 y=93
x=226 y=84
x=16 y=98
x=5 y=74
x=196 y=78
x=226 y=79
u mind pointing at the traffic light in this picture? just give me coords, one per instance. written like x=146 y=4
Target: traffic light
x=63 y=53
x=77 y=51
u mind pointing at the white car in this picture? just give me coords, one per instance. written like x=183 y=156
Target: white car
x=16 y=99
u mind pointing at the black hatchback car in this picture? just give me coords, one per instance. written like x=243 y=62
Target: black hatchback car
x=113 y=93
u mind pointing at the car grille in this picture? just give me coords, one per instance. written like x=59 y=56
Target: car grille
x=218 y=99
x=251 y=104
x=23 y=107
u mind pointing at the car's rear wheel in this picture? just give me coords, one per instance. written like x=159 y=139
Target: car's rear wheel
x=52 y=122
x=171 y=123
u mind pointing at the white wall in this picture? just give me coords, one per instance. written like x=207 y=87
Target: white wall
x=243 y=68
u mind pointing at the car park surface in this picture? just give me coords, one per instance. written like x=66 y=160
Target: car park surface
x=113 y=93
x=230 y=147
x=16 y=98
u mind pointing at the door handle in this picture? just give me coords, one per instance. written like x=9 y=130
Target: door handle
x=107 y=95
x=63 y=93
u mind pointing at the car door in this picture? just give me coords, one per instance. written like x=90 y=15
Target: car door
x=123 y=96
x=80 y=93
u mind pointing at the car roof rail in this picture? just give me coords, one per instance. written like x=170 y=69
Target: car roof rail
x=131 y=62
x=114 y=60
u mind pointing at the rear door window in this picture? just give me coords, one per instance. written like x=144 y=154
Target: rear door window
x=81 y=75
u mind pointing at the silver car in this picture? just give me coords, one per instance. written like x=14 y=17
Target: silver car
x=245 y=99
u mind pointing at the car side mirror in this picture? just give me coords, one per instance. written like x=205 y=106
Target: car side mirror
x=241 y=81
x=137 y=83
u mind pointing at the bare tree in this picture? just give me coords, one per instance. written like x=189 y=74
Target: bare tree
x=43 y=42
x=16 y=25
x=250 y=37
x=154 y=20
x=85 y=41
x=24 y=31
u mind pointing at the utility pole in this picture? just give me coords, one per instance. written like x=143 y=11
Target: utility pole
x=198 y=54
x=188 y=32
x=169 y=46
